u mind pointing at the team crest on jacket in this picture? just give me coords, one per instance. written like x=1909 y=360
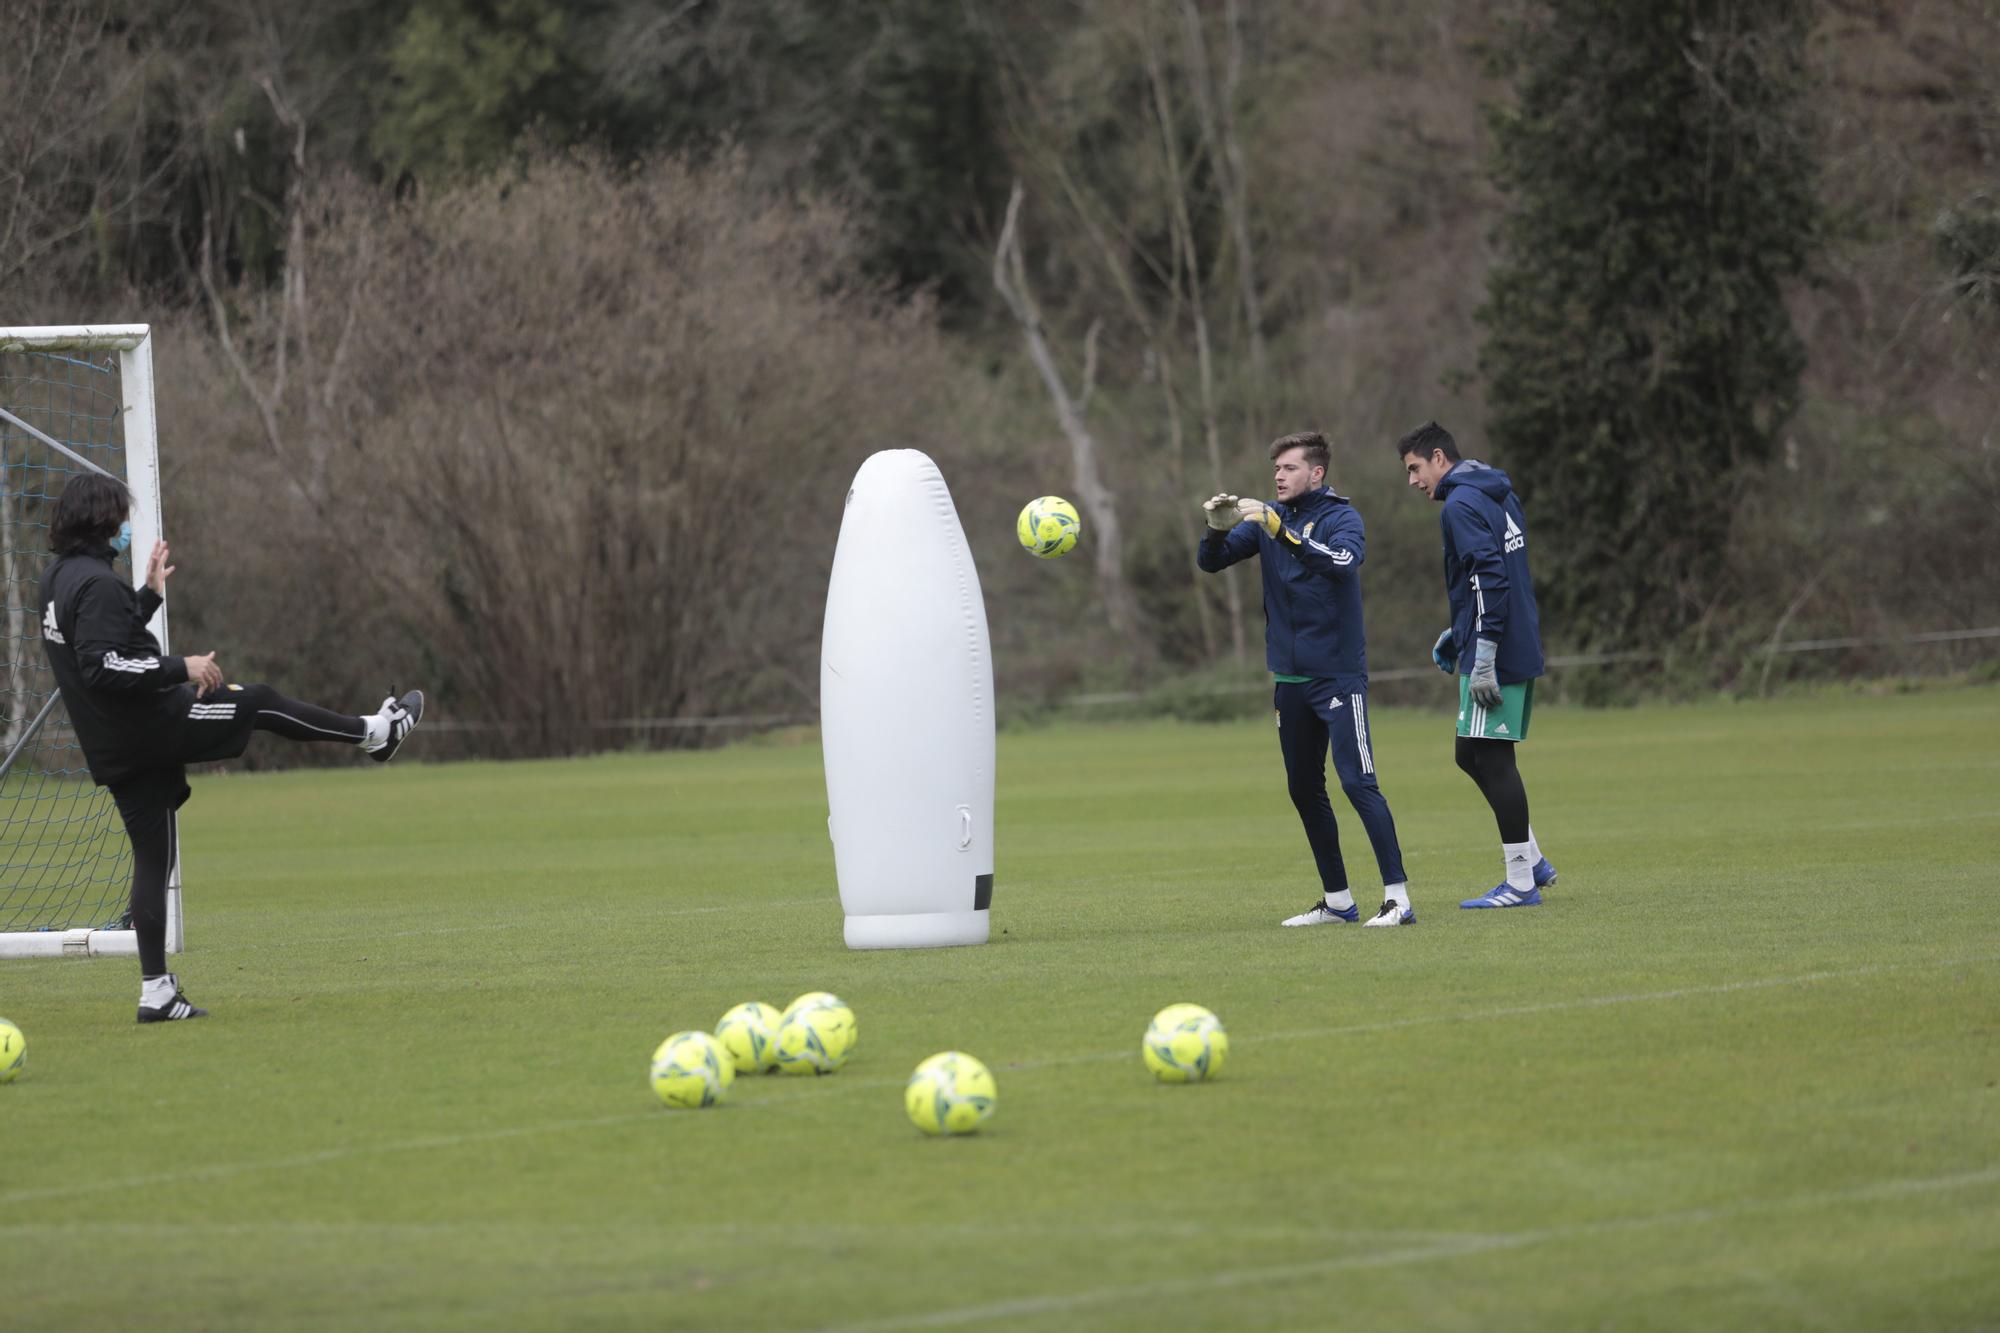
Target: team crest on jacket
x=1307 y=534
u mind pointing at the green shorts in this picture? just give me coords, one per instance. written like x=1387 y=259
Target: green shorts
x=1508 y=722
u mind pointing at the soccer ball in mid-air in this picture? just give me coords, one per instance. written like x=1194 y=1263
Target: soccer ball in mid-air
x=691 y=1070
x=13 y=1052
x=815 y=1040
x=1048 y=527
x=748 y=1032
x=950 y=1093
x=1185 y=1044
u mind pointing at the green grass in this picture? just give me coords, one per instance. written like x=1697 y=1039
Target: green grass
x=1739 y=1072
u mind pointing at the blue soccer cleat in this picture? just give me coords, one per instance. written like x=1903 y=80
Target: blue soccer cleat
x=1545 y=874
x=1500 y=895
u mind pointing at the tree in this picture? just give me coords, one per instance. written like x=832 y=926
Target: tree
x=1638 y=352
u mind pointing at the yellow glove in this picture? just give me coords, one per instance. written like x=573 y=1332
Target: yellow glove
x=1265 y=517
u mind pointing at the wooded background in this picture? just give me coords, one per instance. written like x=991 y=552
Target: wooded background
x=523 y=350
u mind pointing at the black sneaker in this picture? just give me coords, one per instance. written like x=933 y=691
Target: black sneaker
x=403 y=715
x=173 y=1010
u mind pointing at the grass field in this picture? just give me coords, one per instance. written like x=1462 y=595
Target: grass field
x=1739 y=1072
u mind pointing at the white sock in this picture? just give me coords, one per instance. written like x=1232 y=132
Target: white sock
x=1520 y=860
x=155 y=992
x=1342 y=901
x=378 y=731
x=1534 y=848
x=1398 y=894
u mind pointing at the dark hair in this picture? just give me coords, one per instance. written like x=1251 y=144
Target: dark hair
x=88 y=514
x=1314 y=443
x=1427 y=439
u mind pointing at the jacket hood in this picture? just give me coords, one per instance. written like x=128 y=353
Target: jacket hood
x=1489 y=481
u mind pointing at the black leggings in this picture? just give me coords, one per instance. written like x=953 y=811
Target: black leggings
x=1490 y=764
x=147 y=801
x=297 y=721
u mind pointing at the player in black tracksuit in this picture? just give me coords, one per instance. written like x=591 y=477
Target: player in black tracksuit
x=141 y=715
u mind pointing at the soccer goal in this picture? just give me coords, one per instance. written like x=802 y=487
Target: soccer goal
x=72 y=400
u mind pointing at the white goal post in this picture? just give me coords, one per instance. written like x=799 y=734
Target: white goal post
x=73 y=399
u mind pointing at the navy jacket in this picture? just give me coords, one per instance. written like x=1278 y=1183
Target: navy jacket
x=1486 y=570
x=1312 y=586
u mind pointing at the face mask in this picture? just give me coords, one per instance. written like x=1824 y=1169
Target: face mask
x=123 y=539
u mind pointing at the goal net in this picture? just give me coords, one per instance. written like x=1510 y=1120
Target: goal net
x=72 y=400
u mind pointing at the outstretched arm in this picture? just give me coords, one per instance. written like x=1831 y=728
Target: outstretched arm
x=1227 y=539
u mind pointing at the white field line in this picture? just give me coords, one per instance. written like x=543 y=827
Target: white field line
x=1068 y=1302
x=820 y=1088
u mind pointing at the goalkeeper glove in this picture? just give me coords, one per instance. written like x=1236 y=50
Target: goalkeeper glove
x=1265 y=517
x=1485 y=685
x=1221 y=513
x=1445 y=653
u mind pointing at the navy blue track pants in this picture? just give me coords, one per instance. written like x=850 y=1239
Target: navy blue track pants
x=1313 y=718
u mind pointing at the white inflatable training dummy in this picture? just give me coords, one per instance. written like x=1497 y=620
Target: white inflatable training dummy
x=906 y=714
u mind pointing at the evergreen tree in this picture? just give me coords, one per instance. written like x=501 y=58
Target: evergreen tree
x=1638 y=353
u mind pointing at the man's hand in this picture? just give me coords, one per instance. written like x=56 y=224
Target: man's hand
x=1221 y=513
x=157 y=569
x=1485 y=685
x=204 y=674
x=1265 y=517
x=1445 y=653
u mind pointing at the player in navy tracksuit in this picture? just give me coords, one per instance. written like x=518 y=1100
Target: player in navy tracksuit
x=1494 y=644
x=1310 y=546
x=141 y=715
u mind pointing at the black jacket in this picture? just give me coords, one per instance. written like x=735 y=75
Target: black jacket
x=120 y=689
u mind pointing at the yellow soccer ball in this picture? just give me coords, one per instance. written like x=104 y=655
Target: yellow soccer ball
x=1048 y=527
x=819 y=999
x=950 y=1093
x=815 y=1040
x=13 y=1052
x=1185 y=1044
x=691 y=1070
x=748 y=1033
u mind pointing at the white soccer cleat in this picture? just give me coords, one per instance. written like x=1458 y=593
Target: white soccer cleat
x=1319 y=914
x=1393 y=913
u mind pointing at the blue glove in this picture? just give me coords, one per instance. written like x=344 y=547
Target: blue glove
x=1485 y=685
x=1445 y=652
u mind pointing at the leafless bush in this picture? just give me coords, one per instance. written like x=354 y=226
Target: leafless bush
x=567 y=447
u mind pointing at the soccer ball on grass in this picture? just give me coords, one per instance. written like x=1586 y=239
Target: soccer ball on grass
x=1185 y=1044
x=814 y=1040
x=950 y=1093
x=748 y=1033
x=819 y=999
x=691 y=1070
x=13 y=1052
